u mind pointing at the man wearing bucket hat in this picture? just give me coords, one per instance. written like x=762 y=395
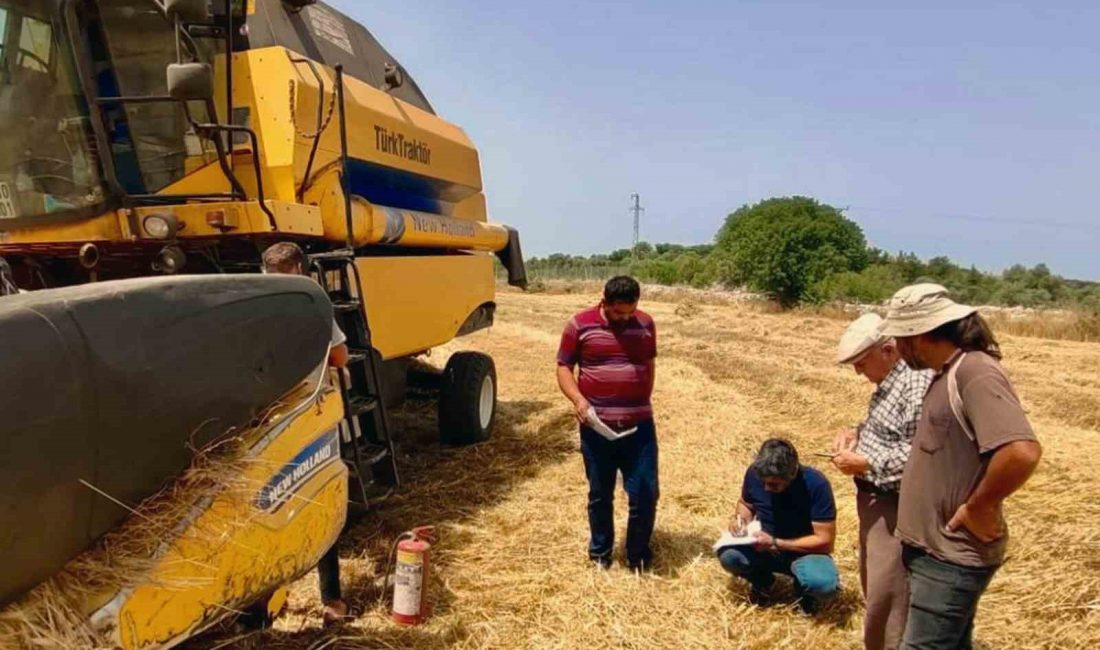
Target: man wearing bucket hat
x=973 y=448
x=875 y=454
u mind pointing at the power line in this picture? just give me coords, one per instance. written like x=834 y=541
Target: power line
x=1068 y=225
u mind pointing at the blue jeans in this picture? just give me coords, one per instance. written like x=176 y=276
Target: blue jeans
x=814 y=575
x=943 y=599
x=636 y=457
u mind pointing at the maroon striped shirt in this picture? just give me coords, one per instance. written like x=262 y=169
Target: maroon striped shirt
x=616 y=370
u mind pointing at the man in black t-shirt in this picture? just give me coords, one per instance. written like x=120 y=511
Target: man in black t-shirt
x=797 y=514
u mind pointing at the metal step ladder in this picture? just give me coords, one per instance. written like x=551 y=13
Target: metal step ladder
x=365 y=442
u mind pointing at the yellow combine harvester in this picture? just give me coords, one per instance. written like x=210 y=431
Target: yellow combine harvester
x=159 y=137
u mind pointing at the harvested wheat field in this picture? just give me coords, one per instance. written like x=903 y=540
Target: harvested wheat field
x=512 y=569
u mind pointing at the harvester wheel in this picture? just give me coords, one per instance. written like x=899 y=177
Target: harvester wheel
x=468 y=399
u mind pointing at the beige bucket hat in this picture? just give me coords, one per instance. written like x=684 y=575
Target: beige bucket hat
x=861 y=336
x=921 y=308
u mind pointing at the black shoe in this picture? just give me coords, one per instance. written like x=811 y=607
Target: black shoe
x=603 y=563
x=645 y=565
x=761 y=595
x=809 y=605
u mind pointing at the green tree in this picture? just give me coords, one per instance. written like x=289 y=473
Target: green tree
x=620 y=255
x=910 y=266
x=653 y=270
x=785 y=246
x=874 y=284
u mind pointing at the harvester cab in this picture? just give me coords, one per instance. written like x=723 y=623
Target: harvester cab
x=137 y=127
x=159 y=137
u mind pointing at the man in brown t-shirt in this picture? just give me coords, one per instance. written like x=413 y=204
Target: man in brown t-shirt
x=973 y=448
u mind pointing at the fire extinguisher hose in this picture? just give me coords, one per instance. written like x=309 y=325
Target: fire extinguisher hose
x=391 y=562
x=426 y=533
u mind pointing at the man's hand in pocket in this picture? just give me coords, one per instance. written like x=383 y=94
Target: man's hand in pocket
x=983 y=523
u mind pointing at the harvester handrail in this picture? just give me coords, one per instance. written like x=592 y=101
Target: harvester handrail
x=323 y=121
x=345 y=182
x=232 y=128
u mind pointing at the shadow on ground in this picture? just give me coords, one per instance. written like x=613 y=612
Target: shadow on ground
x=673 y=551
x=838 y=612
x=338 y=638
x=441 y=486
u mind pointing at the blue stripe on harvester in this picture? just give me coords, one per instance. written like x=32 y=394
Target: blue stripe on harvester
x=383 y=185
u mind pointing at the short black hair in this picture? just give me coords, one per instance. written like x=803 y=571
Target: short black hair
x=622 y=288
x=283 y=257
x=777 y=458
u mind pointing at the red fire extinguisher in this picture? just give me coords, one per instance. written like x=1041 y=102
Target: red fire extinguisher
x=411 y=573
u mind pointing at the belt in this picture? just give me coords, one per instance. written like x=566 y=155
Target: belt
x=625 y=423
x=622 y=425
x=867 y=486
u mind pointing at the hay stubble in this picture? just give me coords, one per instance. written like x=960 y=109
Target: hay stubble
x=511 y=560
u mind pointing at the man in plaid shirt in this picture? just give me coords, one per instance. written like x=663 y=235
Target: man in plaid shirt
x=875 y=455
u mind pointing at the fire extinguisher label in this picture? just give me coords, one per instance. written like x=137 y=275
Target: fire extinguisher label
x=408 y=584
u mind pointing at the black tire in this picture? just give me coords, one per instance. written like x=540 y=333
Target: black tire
x=462 y=420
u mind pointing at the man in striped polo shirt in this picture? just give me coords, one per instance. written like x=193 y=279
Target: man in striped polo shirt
x=614 y=344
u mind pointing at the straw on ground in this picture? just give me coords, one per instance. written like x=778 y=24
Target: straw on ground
x=511 y=560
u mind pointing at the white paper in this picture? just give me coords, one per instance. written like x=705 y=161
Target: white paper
x=600 y=427
x=728 y=538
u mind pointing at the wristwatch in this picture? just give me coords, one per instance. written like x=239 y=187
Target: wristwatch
x=775 y=544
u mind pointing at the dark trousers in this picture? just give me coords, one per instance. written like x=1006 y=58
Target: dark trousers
x=636 y=457
x=943 y=599
x=328 y=576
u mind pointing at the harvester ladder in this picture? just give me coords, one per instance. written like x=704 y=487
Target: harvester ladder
x=366 y=444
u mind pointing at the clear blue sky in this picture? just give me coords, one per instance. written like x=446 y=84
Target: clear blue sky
x=967 y=129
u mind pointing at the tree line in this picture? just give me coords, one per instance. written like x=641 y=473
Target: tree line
x=801 y=251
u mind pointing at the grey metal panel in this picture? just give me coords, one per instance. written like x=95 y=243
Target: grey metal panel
x=325 y=35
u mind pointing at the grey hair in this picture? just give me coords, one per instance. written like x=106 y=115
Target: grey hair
x=777 y=458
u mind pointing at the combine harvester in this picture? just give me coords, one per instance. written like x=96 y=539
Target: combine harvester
x=148 y=139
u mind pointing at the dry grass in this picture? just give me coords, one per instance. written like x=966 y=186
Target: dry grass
x=1056 y=324
x=1061 y=325
x=512 y=571
x=55 y=614
x=52 y=615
